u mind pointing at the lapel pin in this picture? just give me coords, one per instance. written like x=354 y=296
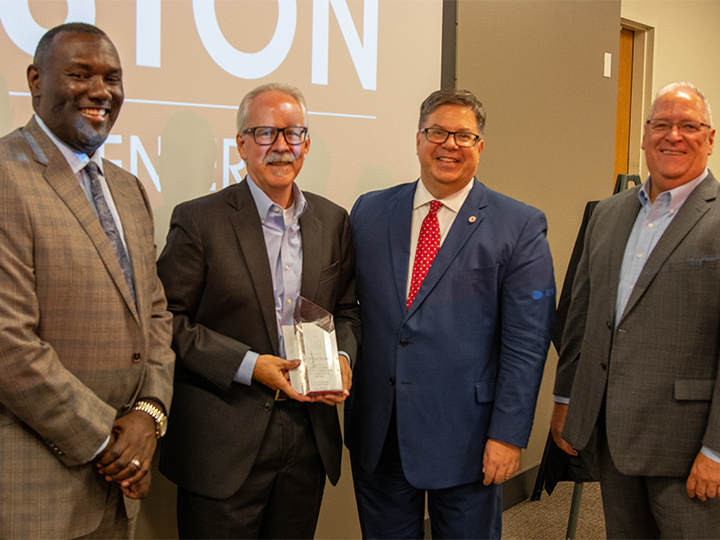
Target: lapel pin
x=472 y=219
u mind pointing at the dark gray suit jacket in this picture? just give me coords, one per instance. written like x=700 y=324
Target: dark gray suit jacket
x=659 y=369
x=217 y=278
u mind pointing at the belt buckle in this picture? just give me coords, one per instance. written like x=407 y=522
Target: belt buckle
x=279 y=395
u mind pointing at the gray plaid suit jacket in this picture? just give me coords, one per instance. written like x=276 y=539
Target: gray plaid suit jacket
x=75 y=350
x=659 y=370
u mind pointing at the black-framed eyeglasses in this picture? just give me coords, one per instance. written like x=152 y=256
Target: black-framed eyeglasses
x=462 y=138
x=267 y=135
x=688 y=127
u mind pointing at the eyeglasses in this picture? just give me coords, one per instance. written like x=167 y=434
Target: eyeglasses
x=688 y=127
x=267 y=135
x=439 y=136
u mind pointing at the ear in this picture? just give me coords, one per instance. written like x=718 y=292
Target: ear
x=241 y=146
x=711 y=141
x=306 y=146
x=33 y=79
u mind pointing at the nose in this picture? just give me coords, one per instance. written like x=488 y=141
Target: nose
x=281 y=144
x=97 y=89
x=451 y=136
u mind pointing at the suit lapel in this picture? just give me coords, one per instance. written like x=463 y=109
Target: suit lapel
x=624 y=219
x=687 y=217
x=248 y=229
x=312 y=246
x=399 y=229
x=60 y=177
x=468 y=220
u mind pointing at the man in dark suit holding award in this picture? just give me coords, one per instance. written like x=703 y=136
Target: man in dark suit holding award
x=642 y=340
x=457 y=294
x=248 y=453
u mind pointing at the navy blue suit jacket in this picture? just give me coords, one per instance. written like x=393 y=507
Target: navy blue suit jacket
x=464 y=364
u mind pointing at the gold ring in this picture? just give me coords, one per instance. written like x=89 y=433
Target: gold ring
x=136 y=462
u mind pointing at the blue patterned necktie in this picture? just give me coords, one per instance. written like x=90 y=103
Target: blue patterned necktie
x=108 y=224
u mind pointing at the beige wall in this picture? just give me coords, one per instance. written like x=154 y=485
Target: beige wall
x=685 y=43
x=538 y=69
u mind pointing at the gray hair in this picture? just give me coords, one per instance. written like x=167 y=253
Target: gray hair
x=452 y=96
x=244 y=109
x=688 y=86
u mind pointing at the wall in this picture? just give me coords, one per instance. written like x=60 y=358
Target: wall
x=537 y=66
x=686 y=44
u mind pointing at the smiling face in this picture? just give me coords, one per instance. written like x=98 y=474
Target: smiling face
x=446 y=168
x=77 y=89
x=274 y=167
x=675 y=158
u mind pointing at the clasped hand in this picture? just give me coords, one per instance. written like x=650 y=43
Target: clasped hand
x=132 y=440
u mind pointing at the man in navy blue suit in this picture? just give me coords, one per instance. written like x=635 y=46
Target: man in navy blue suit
x=457 y=296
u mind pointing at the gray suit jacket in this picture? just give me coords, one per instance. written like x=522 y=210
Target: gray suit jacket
x=217 y=277
x=659 y=369
x=75 y=350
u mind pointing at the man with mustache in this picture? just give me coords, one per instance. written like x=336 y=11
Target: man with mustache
x=85 y=358
x=248 y=453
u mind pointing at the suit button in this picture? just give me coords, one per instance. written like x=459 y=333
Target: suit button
x=404 y=343
x=136 y=357
x=267 y=407
x=608 y=324
x=391 y=381
x=603 y=366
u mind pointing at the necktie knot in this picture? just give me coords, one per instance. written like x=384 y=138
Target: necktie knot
x=435 y=206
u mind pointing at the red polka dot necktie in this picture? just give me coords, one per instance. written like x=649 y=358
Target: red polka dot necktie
x=427 y=247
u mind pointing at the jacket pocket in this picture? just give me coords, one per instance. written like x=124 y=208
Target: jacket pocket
x=694 y=389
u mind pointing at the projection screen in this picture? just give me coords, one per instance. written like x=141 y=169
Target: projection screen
x=364 y=67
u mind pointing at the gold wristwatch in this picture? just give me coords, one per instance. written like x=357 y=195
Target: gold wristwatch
x=157 y=413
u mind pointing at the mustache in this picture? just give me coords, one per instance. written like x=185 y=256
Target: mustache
x=275 y=157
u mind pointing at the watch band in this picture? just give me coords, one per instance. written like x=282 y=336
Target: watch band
x=157 y=414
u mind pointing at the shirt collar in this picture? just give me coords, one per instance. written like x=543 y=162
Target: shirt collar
x=264 y=204
x=677 y=196
x=454 y=202
x=77 y=161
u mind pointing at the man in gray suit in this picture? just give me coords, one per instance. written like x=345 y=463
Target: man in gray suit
x=248 y=453
x=640 y=358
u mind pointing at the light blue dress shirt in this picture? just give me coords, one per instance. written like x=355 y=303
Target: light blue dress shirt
x=283 y=241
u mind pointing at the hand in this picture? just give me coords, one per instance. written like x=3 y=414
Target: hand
x=338 y=397
x=137 y=490
x=272 y=371
x=704 y=478
x=133 y=438
x=557 y=422
x=500 y=461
